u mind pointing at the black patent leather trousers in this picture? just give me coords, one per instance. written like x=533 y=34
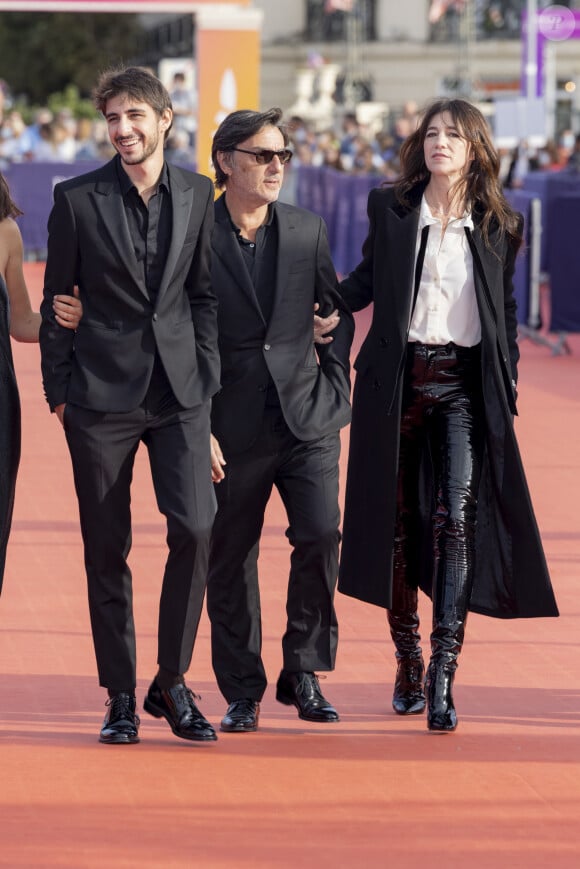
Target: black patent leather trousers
x=442 y=422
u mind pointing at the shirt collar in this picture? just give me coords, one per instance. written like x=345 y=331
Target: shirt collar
x=237 y=230
x=126 y=184
x=427 y=219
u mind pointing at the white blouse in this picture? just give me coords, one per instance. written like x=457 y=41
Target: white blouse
x=446 y=307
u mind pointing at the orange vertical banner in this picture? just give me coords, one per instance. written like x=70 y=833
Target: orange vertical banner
x=228 y=68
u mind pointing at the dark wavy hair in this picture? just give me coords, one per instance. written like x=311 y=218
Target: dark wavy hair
x=480 y=187
x=8 y=207
x=135 y=81
x=236 y=128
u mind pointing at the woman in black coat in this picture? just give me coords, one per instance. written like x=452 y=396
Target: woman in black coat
x=436 y=495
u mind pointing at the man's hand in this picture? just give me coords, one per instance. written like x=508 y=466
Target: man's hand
x=68 y=310
x=59 y=410
x=324 y=325
x=217 y=461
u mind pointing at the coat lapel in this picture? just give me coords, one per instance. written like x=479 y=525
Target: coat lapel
x=402 y=225
x=226 y=248
x=286 y=250
x=487 y=271
x=181 y=205
x=109 y=203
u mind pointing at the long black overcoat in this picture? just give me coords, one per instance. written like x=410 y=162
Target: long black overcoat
x=511 y=577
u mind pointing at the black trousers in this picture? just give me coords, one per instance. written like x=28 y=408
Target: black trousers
x=103 y=448
x=306 y=476
x=442 y=414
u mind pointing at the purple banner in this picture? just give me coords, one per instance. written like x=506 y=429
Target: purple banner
x=554 y=24
x=31 y=187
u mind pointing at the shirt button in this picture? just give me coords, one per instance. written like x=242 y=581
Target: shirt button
x=252 y=245
x=155 y=318
x=266 y=346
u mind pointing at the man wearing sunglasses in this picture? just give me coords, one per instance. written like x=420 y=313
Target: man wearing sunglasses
x=275 y=422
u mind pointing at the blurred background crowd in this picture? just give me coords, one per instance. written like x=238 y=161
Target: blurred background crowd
x=59 y=136
x=350 y=75
x=347 y=145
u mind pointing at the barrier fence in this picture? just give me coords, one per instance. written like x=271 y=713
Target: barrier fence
x=31 y=187
x=550 y=203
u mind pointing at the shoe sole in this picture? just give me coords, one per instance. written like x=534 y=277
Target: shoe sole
x=157 y=712
x=226 y=729
x=117 y=741
x=433 y=728
x=287 y=701
x=410 y=711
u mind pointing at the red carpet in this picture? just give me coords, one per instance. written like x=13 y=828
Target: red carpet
x=374 y=790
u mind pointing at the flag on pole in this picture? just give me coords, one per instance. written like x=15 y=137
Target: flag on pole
x=338 y=6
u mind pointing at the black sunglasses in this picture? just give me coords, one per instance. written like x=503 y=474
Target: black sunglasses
x=264 y=155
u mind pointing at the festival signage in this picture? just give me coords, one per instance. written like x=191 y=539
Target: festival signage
x=552 y=25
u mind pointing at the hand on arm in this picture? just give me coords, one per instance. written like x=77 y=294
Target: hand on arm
x=68 y=310
x=324 y=325
x=217 y=460
x=59 y=410
x=339 y=320
x=24 y=322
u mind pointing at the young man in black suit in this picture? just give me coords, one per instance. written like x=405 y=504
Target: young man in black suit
x=276 y=422
x=134 y=236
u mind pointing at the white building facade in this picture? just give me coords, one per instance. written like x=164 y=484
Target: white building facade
x=476 y=53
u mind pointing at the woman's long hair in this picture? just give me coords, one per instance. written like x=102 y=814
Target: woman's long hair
x=7 y=207
x=479 y=188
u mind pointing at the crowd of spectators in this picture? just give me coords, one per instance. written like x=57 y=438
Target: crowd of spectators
x=347 y=146
x=351 y=146
x=355 y=148
x=60 y=137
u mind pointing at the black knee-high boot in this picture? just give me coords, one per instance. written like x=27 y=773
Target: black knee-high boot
x=408 y=694
x=449 y=618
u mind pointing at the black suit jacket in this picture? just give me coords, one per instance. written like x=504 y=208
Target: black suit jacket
x=106 y=365
x=312 y=383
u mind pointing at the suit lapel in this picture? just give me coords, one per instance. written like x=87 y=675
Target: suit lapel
x=287 y=238
x=109 y=204
x=226 y=248
x=181 y=205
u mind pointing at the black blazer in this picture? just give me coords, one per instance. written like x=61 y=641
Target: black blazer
x=106 y=364
x=312 y=383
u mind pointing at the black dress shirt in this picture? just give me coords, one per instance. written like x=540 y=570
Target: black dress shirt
x=149 y=227
x=261 y=257
x=150 y=230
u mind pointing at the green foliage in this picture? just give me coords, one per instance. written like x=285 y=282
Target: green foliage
x=45 y=53
x=70 y=98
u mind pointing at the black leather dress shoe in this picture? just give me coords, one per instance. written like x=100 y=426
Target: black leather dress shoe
x=303 y=691
x=241 y=717
x=178 y=707
x=121 y=724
